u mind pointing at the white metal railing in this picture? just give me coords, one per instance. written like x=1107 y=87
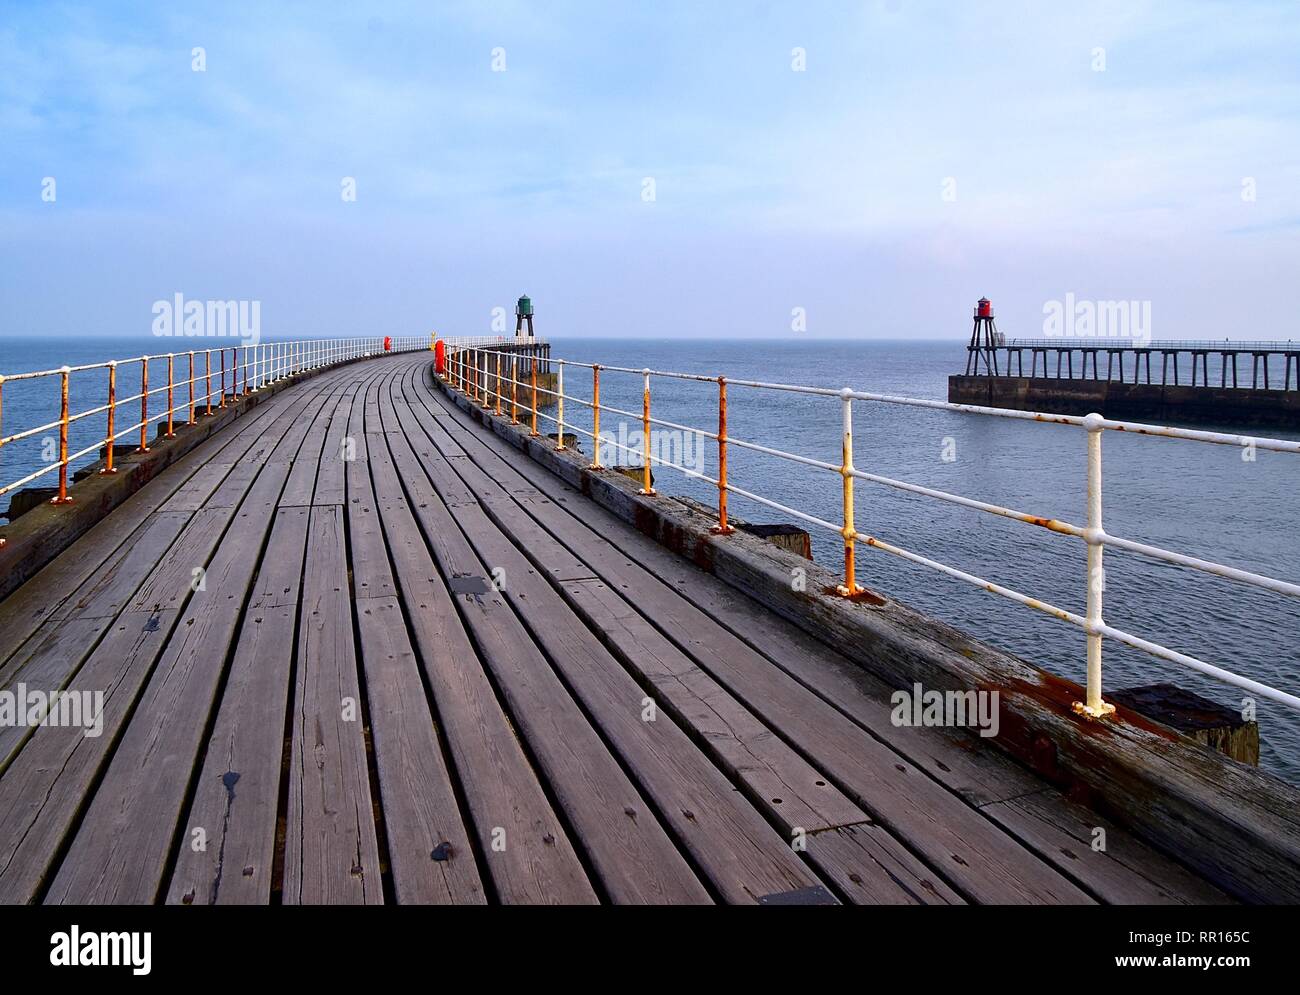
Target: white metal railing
x=474 y=371
x=1156 y=345
x=190 y=391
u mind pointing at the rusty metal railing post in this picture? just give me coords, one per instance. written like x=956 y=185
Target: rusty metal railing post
x=595 y=416
x=723 y=527
x=62 y=496
x=110 y=431
x=171 y=394
x=850 y=586
x=559 y=404
x=646 y=487
x=514 y=389
x=144 y=405
x=190 y=414
x=221 y=398
x=1094 y=707
x=207 y=371
x=499 y=389
x=533 y=430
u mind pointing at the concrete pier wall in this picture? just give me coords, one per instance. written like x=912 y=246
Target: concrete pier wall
x=1135 y=402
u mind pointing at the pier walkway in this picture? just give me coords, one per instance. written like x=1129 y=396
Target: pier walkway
x=356 y=648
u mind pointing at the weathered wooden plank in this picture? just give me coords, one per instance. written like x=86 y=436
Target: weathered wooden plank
x=429 y=847
x=121 y=849
x=48 y=662
x=44 y=787
x=537 y=864
x=871 y=869
x=691 y=795
x=114 y=587
x=331 y=851
x=237 y=793
x=1118 y=868
x=338 y=448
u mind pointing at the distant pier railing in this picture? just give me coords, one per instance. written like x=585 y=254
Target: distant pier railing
x=178 y=388
x=498 y=380
x=1008 y=359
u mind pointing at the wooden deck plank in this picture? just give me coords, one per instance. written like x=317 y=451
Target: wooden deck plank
x=237 y=793
x=743 y=856
x=121 y=849
x=429 y=845
x=42 y=791
x=537 y=863
x=331 y=850
x=1123 y=871
x=45 y=788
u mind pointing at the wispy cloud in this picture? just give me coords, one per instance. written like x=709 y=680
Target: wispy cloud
x=924 y=152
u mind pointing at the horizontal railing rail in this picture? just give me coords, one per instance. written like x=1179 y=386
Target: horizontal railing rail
x=1157 y=345
x=198 y=383
x=492 y=379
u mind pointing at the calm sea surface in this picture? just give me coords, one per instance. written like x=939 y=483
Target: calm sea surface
x=1189 y=497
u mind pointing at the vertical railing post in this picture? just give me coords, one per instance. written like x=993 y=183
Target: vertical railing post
x=514 y=389
x=1094 y=707
x=646 y=488
x=171 y=394
x=499 y=383
x=221 y=398
x=595 y=416
x=111 y=430
x=850 y=586
x=559 y=404
x=723 y=527
x=533 y=363
x=144 y=405
x=190 y=418
x=207 y=373
x=62 y=496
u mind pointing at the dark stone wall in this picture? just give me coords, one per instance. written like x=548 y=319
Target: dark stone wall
x=1135 y=402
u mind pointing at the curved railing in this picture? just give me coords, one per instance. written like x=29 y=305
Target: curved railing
x=197 y=383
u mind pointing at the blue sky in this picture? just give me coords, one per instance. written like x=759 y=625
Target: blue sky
x=774 y=189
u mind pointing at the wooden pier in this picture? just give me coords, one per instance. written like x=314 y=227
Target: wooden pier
x=358 y=648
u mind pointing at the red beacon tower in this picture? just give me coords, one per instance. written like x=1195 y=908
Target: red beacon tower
x=984 y=339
